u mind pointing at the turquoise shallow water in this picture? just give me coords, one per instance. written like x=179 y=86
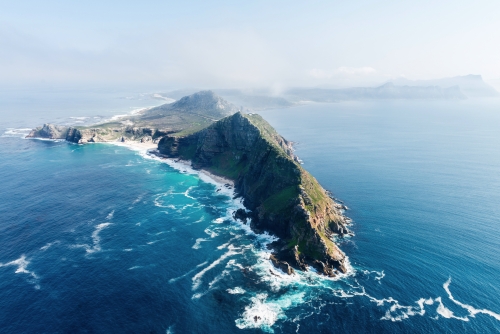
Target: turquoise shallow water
x=99 y=238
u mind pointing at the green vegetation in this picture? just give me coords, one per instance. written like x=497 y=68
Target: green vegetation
x=281 y=200
x=286 y=199
x=228 y=165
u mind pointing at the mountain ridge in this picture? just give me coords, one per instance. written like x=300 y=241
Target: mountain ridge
x=284 y=199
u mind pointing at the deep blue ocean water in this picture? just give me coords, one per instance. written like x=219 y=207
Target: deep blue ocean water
x=99 y=238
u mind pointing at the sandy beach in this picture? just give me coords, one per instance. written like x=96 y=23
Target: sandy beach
x=136 y=145
x=181 y=165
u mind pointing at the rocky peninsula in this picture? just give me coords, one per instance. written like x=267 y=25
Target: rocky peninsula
x=280 y=196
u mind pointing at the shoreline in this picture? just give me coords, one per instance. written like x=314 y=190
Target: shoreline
x=223 y=186
x=175 y=163
x=133 y=145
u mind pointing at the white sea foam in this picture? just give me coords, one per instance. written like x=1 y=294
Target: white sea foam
x=22 y=268
x=259 y=314
x=138 y=199
x=198 y=242
x=48 y=139
x=48 y=245
x=211 y=232
x=398 y=312
x=134 y=267
x=268 y=311
x=199 y=220
x=197 y=278
x=224 y=245
x=233 y=263
x=110 y=215
x=185 y=166
x=96 y=239
x=380 y=274
x=153 y=241
x=19 y=132
x=263 y=313
x=159 y=202
x=472 y=310
x=218 y=278
x=189 y=206
x=236 y=291
x=186 y=193
x=95 y=235
x=173 y=280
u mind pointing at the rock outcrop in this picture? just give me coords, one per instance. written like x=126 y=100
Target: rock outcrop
x=284 y=198
x=98 y=134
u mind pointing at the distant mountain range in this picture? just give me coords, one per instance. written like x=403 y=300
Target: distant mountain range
x=456 y=88
x=471 y=85
x=386 y=91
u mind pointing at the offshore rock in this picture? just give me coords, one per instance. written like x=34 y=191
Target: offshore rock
x=48 y=131
x=242 y=215
x=282 y=265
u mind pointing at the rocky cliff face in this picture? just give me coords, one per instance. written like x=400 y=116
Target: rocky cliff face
x=95 y=135
x=284 y=198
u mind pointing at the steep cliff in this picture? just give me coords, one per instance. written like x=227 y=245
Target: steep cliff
x=284 y=198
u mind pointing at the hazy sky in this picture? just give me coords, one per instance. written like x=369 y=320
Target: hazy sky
x=246 y=43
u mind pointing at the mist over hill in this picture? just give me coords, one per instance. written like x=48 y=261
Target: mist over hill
x=456 y=88
x=204 y=102
x=471 y=85
x=386 y=91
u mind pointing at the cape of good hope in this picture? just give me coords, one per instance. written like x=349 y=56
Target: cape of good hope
x=280 y=196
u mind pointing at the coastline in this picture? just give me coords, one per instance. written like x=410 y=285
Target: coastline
x=274 y=273
x=182 y=165
x=149 y=150
x=226 y=186
x=133 y=145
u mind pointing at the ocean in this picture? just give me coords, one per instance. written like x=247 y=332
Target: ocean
x=101 y=238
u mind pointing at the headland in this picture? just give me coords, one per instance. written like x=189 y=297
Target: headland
x=216 y=137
